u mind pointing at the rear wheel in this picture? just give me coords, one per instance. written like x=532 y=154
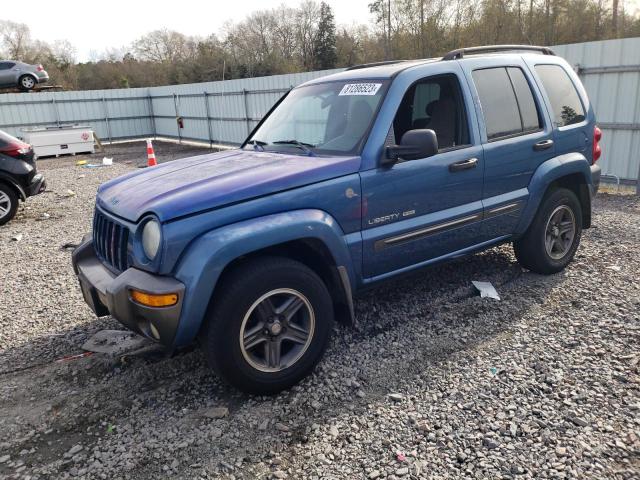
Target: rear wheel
x=554 y=235
x=269 y=325
x=8 y=203
x=26 y=83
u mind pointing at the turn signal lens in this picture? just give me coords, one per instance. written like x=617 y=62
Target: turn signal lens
x=153 y=300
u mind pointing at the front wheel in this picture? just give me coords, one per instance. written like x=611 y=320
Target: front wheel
x=269 y=325
x=553 y=237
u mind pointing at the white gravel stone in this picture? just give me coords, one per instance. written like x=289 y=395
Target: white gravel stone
x=556 y=358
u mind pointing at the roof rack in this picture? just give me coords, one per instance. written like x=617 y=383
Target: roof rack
x=375 y=64
x=460 y=52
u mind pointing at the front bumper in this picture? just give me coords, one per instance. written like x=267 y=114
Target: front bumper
x=37 y=185
x=109 y=293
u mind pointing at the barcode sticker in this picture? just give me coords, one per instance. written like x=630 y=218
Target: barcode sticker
x=360 y=89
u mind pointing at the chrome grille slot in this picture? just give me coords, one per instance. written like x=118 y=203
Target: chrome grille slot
x=110 y=240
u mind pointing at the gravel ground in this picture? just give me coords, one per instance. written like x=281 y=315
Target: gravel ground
x=433 y=382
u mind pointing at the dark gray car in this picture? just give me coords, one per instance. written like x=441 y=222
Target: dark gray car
x=21 y=75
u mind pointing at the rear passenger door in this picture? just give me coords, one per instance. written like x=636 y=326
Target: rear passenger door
x=516 y=135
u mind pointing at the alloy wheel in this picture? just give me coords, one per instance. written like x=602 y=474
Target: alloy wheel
x=277 y=330
x=560 y=232
x=5 y=204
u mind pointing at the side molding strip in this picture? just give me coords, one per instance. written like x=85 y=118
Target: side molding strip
x=503 y=209
x=423 y=232
x=440 y=227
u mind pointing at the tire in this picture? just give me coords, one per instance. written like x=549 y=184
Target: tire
x=26 y=83
x=553 y=237
x=240 y=338
x=8 y=203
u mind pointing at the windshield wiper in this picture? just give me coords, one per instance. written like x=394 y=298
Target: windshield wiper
x=258 y=143
x=301 y=145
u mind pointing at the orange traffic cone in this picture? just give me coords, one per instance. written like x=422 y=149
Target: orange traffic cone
x=151 y=156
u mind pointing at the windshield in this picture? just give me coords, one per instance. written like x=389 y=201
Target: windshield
x=326 y=118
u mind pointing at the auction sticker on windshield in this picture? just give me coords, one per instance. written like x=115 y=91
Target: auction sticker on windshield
x=360 y=89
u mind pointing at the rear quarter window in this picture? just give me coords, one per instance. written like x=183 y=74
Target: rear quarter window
x=565 y=102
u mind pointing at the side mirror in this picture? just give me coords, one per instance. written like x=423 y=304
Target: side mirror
x=420 y=143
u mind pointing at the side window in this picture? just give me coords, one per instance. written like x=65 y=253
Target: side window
x=507 y=102
x=526 y=103
x=434 y=103
x=6 y=65
x=565 y=101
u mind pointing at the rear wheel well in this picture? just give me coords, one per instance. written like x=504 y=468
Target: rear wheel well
x=15 y=190
x=314 y=254
x=576 y=183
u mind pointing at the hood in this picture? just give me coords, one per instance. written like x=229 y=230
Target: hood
x=190 y=185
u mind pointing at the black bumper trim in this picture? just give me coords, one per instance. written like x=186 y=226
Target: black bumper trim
x=108 y=293
x=37 y=185
x=596 y=173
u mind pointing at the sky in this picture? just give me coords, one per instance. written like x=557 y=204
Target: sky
x=97 y=26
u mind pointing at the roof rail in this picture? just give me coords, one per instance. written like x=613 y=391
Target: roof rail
x=460 y=52
x=375 y=64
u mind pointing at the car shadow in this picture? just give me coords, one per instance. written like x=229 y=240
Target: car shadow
x=403 y=328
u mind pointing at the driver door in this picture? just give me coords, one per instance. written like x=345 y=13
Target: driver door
x=419 y=211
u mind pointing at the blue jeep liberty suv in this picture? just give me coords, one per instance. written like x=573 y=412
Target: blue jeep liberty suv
x=349 y=180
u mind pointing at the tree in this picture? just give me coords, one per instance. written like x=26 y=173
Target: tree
x=162 y=46
x=325 y=43
x=15 y=39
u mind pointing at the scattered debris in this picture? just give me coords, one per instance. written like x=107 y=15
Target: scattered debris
x=615 y=268
x=396 y=397
x=217 y=412
x=106 y=161
x=486 y=289
x=74 y=357
x=70 y=193
x=81 y=162
x=69 y=246
x=75 y=449
x=17 y=237
x=115 y=342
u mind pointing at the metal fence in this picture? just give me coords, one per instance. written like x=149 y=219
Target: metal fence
x=214 y=112
x=225 y=112
x=610 y=72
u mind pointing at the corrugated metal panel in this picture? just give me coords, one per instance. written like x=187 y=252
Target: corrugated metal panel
x=230 y=109
x=615 y=95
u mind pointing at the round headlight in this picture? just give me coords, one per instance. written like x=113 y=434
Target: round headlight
x=151 y=237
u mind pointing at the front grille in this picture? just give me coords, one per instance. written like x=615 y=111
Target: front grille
x=110 y=241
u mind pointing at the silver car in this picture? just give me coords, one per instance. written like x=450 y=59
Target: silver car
x=21 y=75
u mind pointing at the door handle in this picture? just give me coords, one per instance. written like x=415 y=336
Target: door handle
x=543 y=145
x=463 y=165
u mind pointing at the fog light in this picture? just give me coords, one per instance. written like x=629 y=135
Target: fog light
x=154 y=300
x=154 y=331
